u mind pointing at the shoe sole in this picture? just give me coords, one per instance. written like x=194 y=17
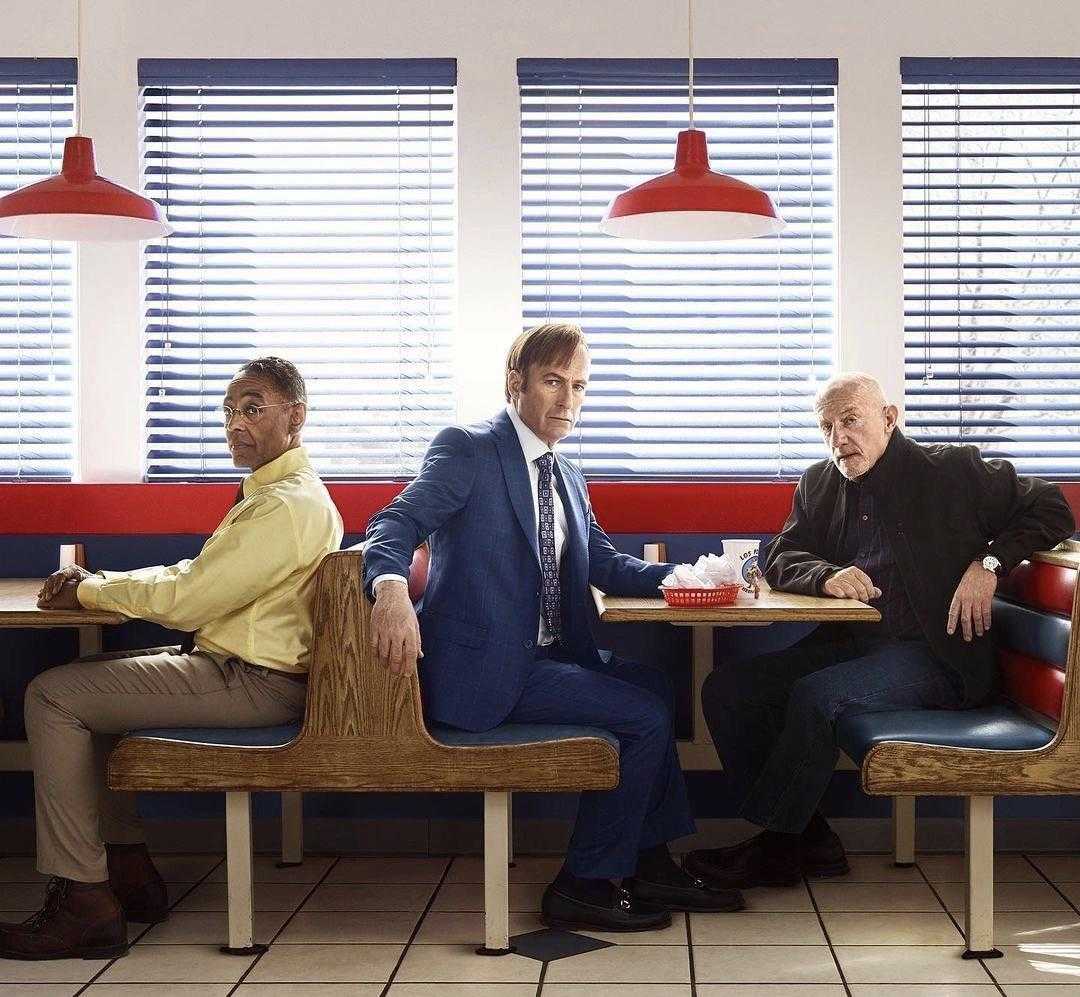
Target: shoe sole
x=714 y=908
x=569 y=925
x=98 y=952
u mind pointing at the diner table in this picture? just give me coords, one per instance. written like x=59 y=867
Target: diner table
x=768 y=608
x=18 y=608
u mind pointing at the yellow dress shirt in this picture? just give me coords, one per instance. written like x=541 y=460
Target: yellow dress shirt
x=249 y=592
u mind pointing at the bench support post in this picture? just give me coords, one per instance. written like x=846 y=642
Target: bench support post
x=979 y=926
x=903 y=825
x=496 y=875
x=292 y=830
x=510 y=830
x=238 y=862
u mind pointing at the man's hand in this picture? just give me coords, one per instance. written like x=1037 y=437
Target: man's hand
x=972 y=600
x=395 y=633
x=851 y=583
x=59 y=590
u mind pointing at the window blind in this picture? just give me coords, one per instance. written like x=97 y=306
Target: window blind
x=37 y=98
x=314 y=202
x=991 y=160
x=705 y=359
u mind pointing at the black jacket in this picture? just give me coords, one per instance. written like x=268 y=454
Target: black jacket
x=941 y=507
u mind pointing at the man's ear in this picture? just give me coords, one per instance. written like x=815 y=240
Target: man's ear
x=514 y=383
x=297 y=417
x=892 y=413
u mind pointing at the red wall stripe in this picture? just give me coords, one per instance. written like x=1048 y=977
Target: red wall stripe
x=1031 y=682
x=620 y=507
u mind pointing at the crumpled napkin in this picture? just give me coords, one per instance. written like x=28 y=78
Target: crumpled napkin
x=708 y=572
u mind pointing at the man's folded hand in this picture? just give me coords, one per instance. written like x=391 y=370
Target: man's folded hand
x=60 y=588
x=851 y=583
x=395 y=632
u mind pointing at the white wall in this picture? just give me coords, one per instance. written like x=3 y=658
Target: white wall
x=487 y=36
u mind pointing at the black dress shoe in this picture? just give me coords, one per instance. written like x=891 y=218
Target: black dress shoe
x=624 y=913
x=694 y=897
x=825 y=857
x=758 y=861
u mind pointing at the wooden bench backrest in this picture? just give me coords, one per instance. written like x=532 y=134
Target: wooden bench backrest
x=349 y=693
x=1047 y=590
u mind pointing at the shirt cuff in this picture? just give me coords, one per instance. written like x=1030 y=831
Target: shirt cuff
x=89 y=592
x=379 y=579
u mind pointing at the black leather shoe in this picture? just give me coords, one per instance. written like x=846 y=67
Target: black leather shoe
x=625 y=913
x=758 y=861
x=695 y=897
x=824 y=858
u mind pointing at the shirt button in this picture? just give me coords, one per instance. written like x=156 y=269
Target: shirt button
x=528 y=643
x=865 y=518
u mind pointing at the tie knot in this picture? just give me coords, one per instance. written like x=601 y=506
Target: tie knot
x=544 y=462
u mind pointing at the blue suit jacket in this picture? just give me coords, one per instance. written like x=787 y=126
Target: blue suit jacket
x=472 y=500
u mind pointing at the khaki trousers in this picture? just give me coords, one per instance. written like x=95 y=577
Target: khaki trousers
x=77 y=712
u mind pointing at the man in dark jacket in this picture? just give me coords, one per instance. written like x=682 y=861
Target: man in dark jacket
x=922 y=532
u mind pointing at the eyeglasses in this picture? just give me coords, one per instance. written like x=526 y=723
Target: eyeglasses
x=250 y=413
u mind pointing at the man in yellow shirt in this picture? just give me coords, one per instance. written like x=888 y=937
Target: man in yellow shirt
x=248 y=599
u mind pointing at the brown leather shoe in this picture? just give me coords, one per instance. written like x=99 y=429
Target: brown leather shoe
x=78 y=921
x=824 y=856
x=758 y=861
x=137 y=883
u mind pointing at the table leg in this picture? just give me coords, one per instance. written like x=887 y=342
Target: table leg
x=89 y=640
x=699 y=753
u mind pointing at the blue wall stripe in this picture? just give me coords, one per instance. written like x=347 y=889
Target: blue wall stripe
x=298 y=72
x=661 y=72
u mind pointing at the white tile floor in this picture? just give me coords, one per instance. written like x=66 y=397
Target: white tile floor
x=407 y=927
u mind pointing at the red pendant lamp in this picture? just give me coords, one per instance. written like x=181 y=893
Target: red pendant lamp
x=691 y=203
x=77 y=205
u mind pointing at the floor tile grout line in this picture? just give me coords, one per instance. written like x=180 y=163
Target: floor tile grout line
x=690 y=955
x=1054 y=886
x=419 y=923
x=825 y=932
x=142 y=934
x=277 y=934
x=949 y=914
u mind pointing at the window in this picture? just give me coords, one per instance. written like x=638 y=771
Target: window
x=705 y=359
x=314 y=204
x=37 y=98
x=992 y=257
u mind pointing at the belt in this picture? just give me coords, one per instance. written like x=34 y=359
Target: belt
x=292 y=676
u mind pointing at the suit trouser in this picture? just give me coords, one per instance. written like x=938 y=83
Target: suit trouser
x=633 y=702
x=77 y=712
x=773 y=719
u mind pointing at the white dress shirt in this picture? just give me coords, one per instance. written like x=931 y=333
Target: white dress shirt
x=532 y=447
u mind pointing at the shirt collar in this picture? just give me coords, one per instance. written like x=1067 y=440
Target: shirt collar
x=289 y=462
x=531 y=444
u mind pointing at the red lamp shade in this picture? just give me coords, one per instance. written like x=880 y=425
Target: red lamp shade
x=78 y=205
x=692 y=203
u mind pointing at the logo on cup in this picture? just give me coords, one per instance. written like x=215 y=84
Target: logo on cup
x=745 y=553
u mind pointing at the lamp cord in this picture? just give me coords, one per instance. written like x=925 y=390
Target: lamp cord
x=690 y=48
x=78 y=66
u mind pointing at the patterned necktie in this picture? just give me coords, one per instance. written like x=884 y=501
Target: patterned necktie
x=187 y=642
x=549 y=563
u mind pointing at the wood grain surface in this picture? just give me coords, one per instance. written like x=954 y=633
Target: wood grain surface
x=363 y=729
x=18 y=608
x=770 y=607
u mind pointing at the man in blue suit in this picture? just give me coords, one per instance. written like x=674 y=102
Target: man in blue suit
x=503 y=636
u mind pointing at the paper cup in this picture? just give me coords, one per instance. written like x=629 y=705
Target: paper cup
x=745 y=552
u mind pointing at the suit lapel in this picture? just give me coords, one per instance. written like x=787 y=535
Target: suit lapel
x=517 y=478
x=577 y=545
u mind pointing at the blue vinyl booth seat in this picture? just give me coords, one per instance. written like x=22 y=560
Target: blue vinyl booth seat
x=1000 y=727
x=272 y=737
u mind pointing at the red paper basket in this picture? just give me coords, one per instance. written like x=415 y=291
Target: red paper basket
x=722 y=595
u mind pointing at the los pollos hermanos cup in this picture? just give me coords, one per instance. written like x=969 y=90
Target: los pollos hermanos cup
x=745 y=552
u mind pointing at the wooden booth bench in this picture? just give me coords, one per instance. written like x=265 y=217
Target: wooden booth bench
x=363 y=731
x=1027 y=744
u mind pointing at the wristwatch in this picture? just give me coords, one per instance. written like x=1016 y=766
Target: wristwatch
x=991 y=563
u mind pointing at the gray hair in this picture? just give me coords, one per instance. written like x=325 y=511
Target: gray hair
x=854 y=383
x=282 y=374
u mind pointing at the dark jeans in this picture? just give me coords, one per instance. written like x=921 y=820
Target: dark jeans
x=633 y=702
x=773 y=719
